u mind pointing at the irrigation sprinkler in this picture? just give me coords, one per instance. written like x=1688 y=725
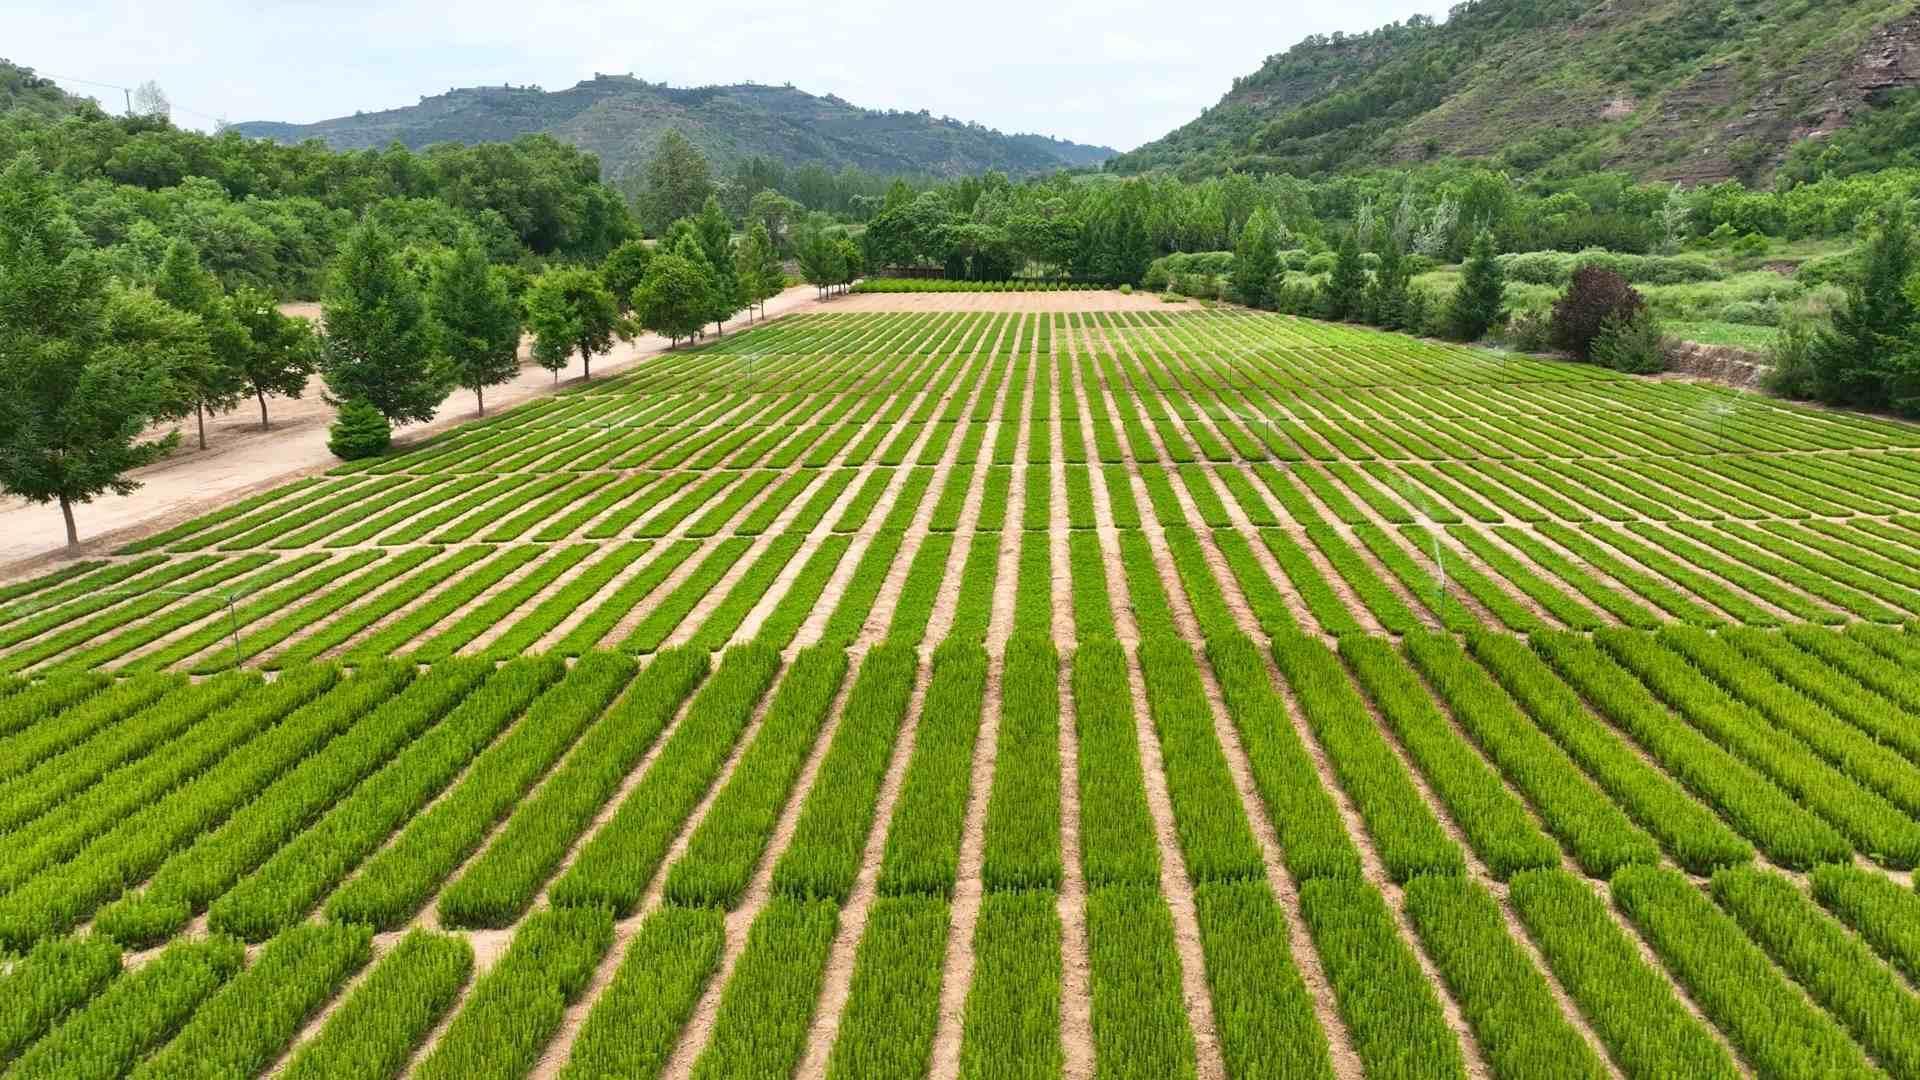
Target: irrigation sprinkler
x=229 y=597
x=233 y=627
x=1420 y=503
x=1257 y=418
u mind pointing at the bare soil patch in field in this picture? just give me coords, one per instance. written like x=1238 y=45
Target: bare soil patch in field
x=1084 y=300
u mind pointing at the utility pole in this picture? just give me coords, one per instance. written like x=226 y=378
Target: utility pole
x=129 y=96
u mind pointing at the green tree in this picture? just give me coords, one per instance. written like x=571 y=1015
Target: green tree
x=570 y=310
x=623 y=269
x=281 y=352
x=673 y=298
x=378 y=344
x=1480 y=301
x=757 y=267
x=1256 y=260
x=848 y=261
x=715 y=234
x=78 y=381
x=775 y=211
x=821 y=257
x=1346 y=285
x=358 y=431
x=479 y=324
x=209 y=379
x=1865 y=357
x=677 y=182
x=1389 y=295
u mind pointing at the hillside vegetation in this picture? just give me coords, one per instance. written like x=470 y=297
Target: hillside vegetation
x=23 y=91
x=1665 y=89
x=621 y=119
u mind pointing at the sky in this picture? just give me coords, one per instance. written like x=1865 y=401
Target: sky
x=1116 y=72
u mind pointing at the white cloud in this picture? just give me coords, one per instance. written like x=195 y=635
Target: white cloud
x=1119 y=72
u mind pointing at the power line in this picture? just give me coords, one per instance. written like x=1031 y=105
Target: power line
x=126 y=90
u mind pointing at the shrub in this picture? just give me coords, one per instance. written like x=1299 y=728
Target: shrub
x=1792 y=374
x=1558 y=267
x=359 y=432
x=1751 y=313
x=1631 y=344
x=1322 y=263
x=1529 y=331
x=1831 y=269
x=1592 y=298
x=1296 y=294
x=1126 y=289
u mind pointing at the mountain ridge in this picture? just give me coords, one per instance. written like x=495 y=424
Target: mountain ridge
x=621 y=118
x=1686 y=90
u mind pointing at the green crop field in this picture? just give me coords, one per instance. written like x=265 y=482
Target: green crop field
x=999 y=693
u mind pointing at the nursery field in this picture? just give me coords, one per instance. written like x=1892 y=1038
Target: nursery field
x=1139 y=693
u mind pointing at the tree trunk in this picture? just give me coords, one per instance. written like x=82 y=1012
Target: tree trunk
x=586 y=366
x=480 y=401
x=66 y=511
x=262 y=395
x=200 y=413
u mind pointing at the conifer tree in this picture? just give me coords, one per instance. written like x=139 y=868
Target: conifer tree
x=1869 y=357
x=1346 y=286
x=757 y=267
x=715 y=235
x=1479 y=302
x=1255 y=261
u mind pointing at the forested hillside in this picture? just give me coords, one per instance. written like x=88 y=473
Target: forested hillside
x=23 y=91
x=270 y=216
x=1692 y=90
x=621 y=119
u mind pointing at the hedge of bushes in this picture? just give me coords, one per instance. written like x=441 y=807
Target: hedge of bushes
x=946 y=285
x=1557 y=267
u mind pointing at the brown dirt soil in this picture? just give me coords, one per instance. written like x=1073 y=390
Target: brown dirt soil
x=1091 y=300
x=956 y=976
x=1076 y=969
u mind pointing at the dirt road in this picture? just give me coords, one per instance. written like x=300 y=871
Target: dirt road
x=240 y=458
